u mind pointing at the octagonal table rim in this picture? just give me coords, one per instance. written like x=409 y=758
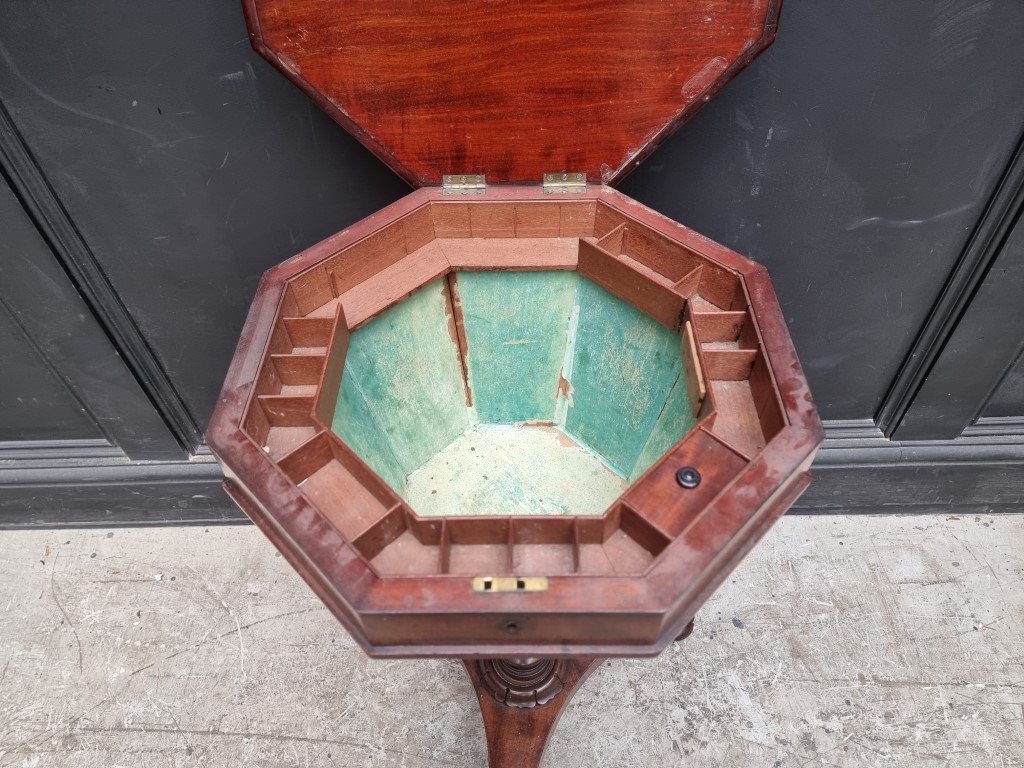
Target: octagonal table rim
x=326 y=559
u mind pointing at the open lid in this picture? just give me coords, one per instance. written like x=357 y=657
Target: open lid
x=512 y=89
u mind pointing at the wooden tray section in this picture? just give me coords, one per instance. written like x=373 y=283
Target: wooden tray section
x=621 y=583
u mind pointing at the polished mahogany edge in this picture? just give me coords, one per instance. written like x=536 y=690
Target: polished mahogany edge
x=245 y=364
x=320 y=583
x=301 y=527
x=790 y=381
x=694 y=556
x=769 y=479
x=715 y=573
x=771 y=28
x=326 y=558
x=322 y=556
x=239 y=455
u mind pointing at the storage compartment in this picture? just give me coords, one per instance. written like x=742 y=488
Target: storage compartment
x=512 y=393
x=460 y=391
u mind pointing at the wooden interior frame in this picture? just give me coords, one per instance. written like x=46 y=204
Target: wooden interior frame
x=406 y=576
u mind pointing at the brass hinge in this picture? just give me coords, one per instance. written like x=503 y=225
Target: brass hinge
x=463 y=184
x=565 y=183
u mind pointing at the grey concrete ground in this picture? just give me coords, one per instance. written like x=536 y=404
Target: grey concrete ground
x=842 y=641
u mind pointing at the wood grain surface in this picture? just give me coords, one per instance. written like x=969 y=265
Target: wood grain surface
x=517 y=737
x=511 y=90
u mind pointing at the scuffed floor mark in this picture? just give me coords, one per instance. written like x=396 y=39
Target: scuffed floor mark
x=859 y=648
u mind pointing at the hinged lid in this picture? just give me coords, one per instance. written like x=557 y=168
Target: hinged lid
x=508 y=89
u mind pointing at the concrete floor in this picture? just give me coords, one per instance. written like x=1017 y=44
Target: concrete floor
x=841 y=641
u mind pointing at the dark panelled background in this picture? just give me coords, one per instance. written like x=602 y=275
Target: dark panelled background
x=853 y=159
x=154 y=166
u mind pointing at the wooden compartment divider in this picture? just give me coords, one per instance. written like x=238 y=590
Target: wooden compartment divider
x=400 y=544
x=543 y=546
x=644 y=532
x=287 y=410
x=722 y=287
x=311 y=289
x=729 y=364
x=478 y=546
x=329 y=385
x=577 y=218
x=445 y=555
x=720 y=351
x=770 y=413
x=666 y=257
x=451 y=219
x=607 y=218
x=628 y=547
x=268 y=382
x=385 y=530
x=716 y=327
x=690 y=283
x=307 y=458
x=647 y=290
x=693 y=369
x=345 y=491
x=366 y=258
x=612 y=242
x=736 y=420
x=309 y=334
x=520 y=546
x=280 y=423
x=537 y=219
x=299 y=374
x=367 y=299
x=523 y=219
x=520 y=254
x=492 y=219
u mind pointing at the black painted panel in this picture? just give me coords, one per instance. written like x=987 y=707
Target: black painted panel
x=41 y=299
x=188 y=164
x=1008 y=399
x=987 y=339
x=98 y=492
x=853 y=159
x=33 y=400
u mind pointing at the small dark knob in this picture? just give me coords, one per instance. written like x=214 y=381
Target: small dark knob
x=688 y=477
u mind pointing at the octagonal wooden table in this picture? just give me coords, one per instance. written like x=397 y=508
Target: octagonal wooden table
x=638 y=411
